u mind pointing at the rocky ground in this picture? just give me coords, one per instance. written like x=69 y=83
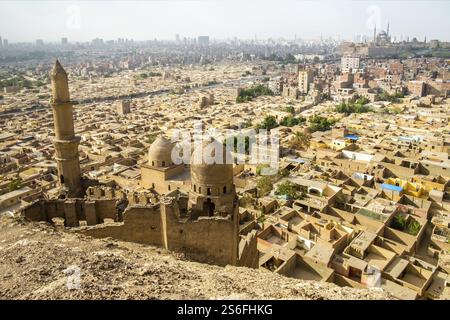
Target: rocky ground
x=39 y=262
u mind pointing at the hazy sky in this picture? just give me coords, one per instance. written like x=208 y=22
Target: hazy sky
x=162 y=19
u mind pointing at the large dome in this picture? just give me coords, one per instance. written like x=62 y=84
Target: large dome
x=160 y=153
x=211 y=165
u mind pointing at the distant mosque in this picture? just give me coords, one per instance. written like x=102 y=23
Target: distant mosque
x=382 y=38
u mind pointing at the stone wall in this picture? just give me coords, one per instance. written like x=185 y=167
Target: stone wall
x=206 y=239
x=71 y=210
x=141 y=224
x=248 y=251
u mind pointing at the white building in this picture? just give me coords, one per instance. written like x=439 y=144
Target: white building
x=349 y=62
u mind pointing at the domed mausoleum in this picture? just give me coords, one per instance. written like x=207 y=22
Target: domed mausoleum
x=212 y=189
x=160 y=169
x=160 y=153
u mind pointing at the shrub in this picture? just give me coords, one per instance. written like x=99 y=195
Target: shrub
x=319 y=123
x=395 y=97
x=399 y=222
x=253 y=92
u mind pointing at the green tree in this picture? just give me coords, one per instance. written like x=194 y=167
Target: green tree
x=262 y=217
x=319 y=123
x=325 y=96
x=413 y=227
x=264 y=185
x=289 y=189
x=362 y=101
x=268 y=123
x=235 y=143
x=15 y=185
x=260 y=167
x=300 y=141
x=253 y=92
x=283 y=172
x=290 y=109
x=340 y=200
x=357 y=107
x=292 y=121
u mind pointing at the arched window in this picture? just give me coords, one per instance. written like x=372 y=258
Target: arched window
x=163 y=163
x=169 y=187
x=225 y=189
x=61 y=178
x=195 y=188
x=153 y=163
x=208 y=191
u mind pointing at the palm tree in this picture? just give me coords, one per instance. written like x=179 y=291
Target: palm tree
x=300 y=140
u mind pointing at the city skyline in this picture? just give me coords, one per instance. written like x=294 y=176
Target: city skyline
x=83 y=21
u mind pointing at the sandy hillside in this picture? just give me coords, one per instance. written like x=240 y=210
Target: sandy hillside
x=37 y=262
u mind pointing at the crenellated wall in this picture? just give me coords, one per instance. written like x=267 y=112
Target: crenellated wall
x=109 y=193
x=72 y=211
x=213 y=239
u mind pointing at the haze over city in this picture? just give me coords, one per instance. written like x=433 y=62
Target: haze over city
x=146 y=20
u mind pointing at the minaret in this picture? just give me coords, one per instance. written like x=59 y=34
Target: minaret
x=66 y=143
x=374 y=33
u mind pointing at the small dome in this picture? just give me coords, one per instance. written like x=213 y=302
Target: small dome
x=207 y=169
x=160 y=152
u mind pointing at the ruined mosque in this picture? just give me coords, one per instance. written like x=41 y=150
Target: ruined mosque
x=204 y=222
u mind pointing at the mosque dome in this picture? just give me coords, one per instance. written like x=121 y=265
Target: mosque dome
x=160 y=153
x=211 y=169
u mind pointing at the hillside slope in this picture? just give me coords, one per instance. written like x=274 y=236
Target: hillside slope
x=35 y=258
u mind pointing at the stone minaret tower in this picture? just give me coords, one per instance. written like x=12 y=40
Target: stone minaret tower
x=66 y=143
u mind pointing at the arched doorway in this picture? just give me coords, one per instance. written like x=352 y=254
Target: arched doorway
x=209 y=207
